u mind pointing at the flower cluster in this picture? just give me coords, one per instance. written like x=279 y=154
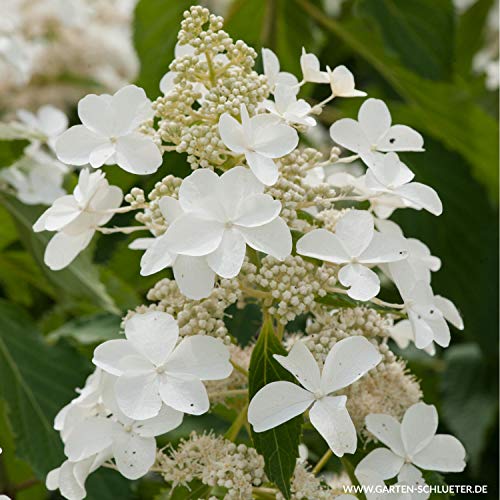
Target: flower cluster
x=260 y=221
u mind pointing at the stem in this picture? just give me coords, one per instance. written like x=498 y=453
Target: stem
x=234 y=430
x=322 y=461
x=229 y=393
x=348 y=467
x=347 y=159
x=239 y=368
x=376 y=301
x=122 y=210
x=124 y=230
x=211 y=72
x=280 y=330
x=258 y=294
x=264 y=493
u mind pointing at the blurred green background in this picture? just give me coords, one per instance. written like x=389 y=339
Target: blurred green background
x=417 y=55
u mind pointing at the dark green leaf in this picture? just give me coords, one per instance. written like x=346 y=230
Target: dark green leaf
x=243 y=324
x=278 y=446
x=36 y=380
x=11 y=151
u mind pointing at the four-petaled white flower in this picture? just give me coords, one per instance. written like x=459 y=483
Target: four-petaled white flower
x=48 y=121
x=288 y=108
x=355 y=245
x=213 y=221
x=311 y=70
x=77 y=216
x=394 y=178
x=278 y=402
x=342 y=83
x=274 y=75
x=109 y=133
x=372 y=135
x=261 y=139
x=152 y=369
x=413 y=442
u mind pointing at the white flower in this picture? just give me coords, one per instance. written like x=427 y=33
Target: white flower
x=311 y=71
x=372 y=135
x=278 y=402
x=214 y=220
x=355 y=245
x=413 y=442
x=273 y=74
x=109 y=133
x=288 y=108
x=342 y=83
x=394 y=178
x=76 y=217
x=48 y=121
x=402 y=333
x=17 y=58
x=153 y=370
x=70 y=477
x=261 y=139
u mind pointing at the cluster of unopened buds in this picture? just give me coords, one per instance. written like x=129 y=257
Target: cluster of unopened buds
x=214 y=227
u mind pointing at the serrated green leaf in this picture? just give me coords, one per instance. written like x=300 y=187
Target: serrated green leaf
x=36 y=380
x=80 y=279
x=278 y=446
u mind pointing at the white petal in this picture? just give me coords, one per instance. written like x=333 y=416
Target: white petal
x=193 y=276
x=184 y=393
x=440 y=330
x=231 y=133
x=52 y=121
x=52 y=480
x=422 y=331
x=380 y=462
x=273 y=238
x=192 y=235
x=227 y=259
x=374 y=118
x=331 y=419
x=387 y=430
x=273 y=140
x=349 y=134
x=109 y=355
x=310 y=66
x=302 y=365
x=199 y=191
x=256 y=210
x=170 y=208
x=449 y=311
x=68 y=484
x=402 y=333
x=362 y=283
x=138 y=154
x=102 y=154
x=167 y=82
x=355 y=230
x=348 y=360
x=393 y=172
x=137 y=395
x=62 y=249
x=418 y=427
x=75 y=146
x=88 y=438
x=63 y=211
x=271 y=65
x=262 y=167
x=200 y=356
x=156 y=257
x=277 y=403
x=444 y=453
x=421 y=196
x=168 y=419
x=134 y=455
x=153 y=334
x=384 y=248
x=131 y=108
x=342 y=83
x=324 y=245
x=400 y=138
x=96 y=114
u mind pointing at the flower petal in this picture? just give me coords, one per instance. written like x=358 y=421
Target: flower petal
x=374 y=118
x=355 y=230
x=193 y=276
x=110 y=355
x=444 y=453
x=387 y=430
x=167 y=420
x=63 y=211
x=421 y=196
x=400 y=138
x=342 y=83
x=153 y=334
x=184 y=393
x=231 y=133
x=75 y=146
x=134 y=455
x=96 y=114
x=422 y=331
x=89 y=437
x=331 y=419
x=348 y=360
x=199 y=192
x=227 y=259
x=273 y=238
x=137 y=395
x=349 y=134
x=363 y=284
x=63 y=248
x=324 y=245
x=302 y=365
x=202 y=357
x=440 y=330
x=156 y=257
x=277 y=403
x=138 y=154
x=131 y=108
x=257 y=210
x=418 y=427
x=384 y=248
x=273 y=140
x=262 y=167
x=449 y=311
x=380 y=462
x=170 y=208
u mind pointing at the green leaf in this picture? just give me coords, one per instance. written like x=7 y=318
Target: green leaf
x=419 y=32
x=469 y=398
x=195 y=490
x=156 y=24
x=11 y=151
x=36 y=380
x=442 y=110
x=80 y=279
x=278 y=446
x=89 y=329
x=433 y=478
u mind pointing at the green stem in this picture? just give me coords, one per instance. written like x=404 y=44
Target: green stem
x=211 y=72
x=234 y=430
x=322 y=462
x=264 y=493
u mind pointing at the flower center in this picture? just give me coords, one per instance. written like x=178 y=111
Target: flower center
x=319 y=394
